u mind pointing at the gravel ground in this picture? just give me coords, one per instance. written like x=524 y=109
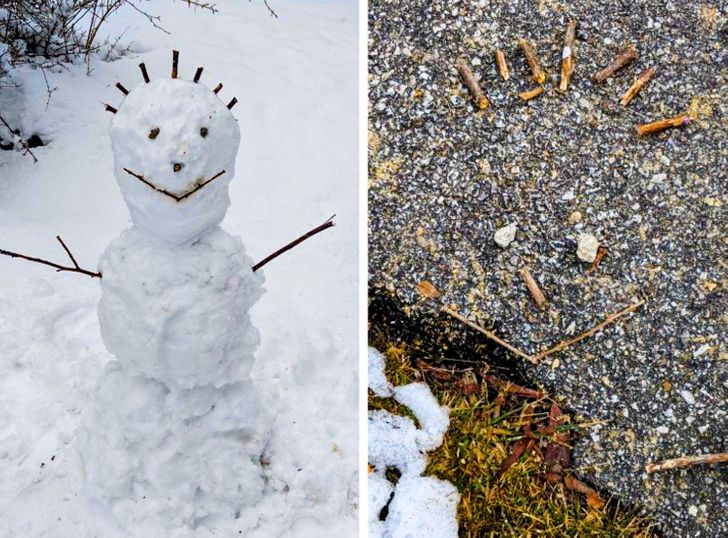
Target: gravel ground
x=444 y=177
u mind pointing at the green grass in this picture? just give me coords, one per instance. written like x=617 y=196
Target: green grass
x=483 y=427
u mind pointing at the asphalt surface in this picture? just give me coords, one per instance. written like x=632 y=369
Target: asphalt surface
x=444 y=177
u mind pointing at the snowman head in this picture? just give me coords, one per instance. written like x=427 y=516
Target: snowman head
x=174 y=145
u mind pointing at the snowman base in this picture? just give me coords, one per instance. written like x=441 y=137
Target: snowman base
x=176 y=432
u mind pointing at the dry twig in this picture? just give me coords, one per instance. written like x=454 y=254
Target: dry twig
x=539 y=76
x=536 y=294
x=623 y=58
x=687 y=461
x=637 y=86
x=469 y=79
x=59 y=268
x=530 y=94
x=661 y=125
x=325 y=226
x=567 y=57
x=489 y=334
x=23 y=143
x=571 y=341
x=500 y=60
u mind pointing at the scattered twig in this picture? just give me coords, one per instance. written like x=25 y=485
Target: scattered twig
x=49 y=91
x=623 y=58
x=531 y=94
x=637 y=86
x=489 y=334
x=661 y=125
x=539 y=76
x=567 y=56
x=500 y=60
x=536 y=293
x=608 y=320
x=202 y=5
x=687 y=461
x=512 y=388
x=601 y=252
x=270 y=9
x=59 y=268
x=469 y=79
x=326 y=225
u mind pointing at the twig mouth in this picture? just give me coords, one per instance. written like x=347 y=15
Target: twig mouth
x=199 y=183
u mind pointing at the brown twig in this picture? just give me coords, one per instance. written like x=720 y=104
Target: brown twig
x=325 y=226
x=500 y=61
x=661 y=125
x=533 y=289
x=538 y=74
x=198 y=74
x=687 y=461
x=469 y=79
x=489 y=334
x=512 y=388
x=176 y=197
x=637 y=86
x=23 y=142
x=623 y=58
x=601 y=252
x=145 y=75
x=567 y=57
x=175 y=63
x=122 y=89
x=217 y=89
x=608 y=320
x=59 y=268
x=531 y=94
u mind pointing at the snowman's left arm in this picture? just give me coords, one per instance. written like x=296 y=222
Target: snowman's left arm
x=58 y=267
x=325 y=226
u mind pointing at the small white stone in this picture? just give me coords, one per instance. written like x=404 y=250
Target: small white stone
x=702 y=350
x=693 y=510
x=687 y=396
x=586 y=247
x=505 y=236
x=662 y=429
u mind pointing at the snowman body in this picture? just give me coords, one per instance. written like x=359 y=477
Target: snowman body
x=176 y=430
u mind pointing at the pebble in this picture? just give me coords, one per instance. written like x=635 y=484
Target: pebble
x=504 y=236
x=575 y=217
x=687 y=396
x=586 y=247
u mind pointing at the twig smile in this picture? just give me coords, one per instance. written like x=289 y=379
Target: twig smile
x=176 y=197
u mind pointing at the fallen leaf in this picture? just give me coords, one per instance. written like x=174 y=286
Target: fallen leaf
x=426 y=289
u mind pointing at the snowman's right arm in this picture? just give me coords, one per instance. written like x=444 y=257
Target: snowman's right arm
x=71 y=269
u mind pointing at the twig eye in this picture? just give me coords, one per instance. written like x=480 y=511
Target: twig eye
x=154 y=133
x=203 y=132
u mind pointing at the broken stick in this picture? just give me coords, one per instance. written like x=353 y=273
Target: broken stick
x=530 y=94
x=59 y=268
x=325 y=226
x=489 y=334
x=609 y=319
x=637 y=86
x=538 y=74
x=687 y=461
x=623 y=58
x=500 y=61
x=533 y=289
x=567 y=57
x=469 y=79
x=661 y=125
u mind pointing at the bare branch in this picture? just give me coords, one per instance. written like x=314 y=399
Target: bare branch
x=326 y=225
x=23 y=142
x=59 y=268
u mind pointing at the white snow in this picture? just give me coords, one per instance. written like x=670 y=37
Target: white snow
x=418 y=506
x=295 y=78
x=376 y=378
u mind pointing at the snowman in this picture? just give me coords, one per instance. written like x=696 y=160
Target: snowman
x=176 y=430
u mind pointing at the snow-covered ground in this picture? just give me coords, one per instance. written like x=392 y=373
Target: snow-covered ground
x=296 y=81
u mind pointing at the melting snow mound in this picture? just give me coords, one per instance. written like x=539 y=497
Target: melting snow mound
x=417 y=506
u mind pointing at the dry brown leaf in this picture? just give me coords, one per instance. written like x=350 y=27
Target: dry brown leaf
x=426 y=289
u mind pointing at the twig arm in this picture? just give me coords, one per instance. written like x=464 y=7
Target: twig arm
x=325 y=226
x=59 y=268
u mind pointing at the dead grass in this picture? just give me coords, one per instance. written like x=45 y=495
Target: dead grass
x=483 y=427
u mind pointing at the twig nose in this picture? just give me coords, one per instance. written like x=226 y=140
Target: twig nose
x=177 y=166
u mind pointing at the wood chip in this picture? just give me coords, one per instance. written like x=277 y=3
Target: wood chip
x=500 y=60
x=567 y=56
x=476 y=91
x=687 y=461
x=536 y=294
x=661 y=125
x=530 y=94
x=538 y=74
x=623 y=58
x=426 y=289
